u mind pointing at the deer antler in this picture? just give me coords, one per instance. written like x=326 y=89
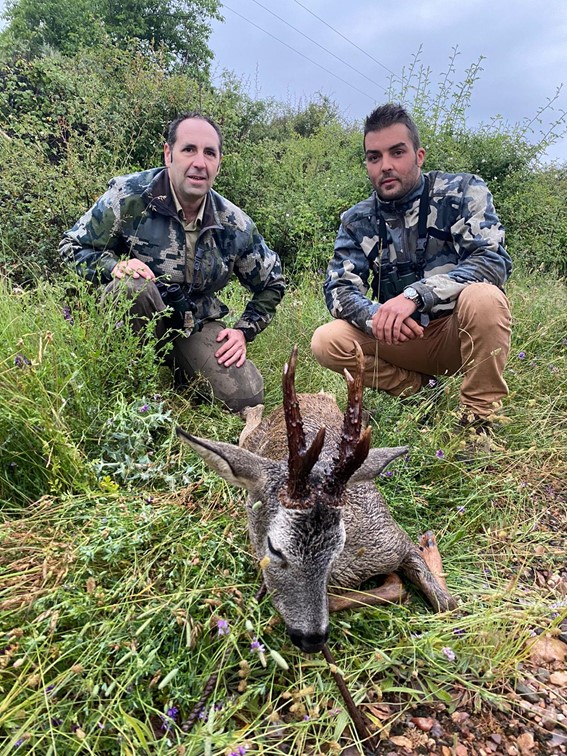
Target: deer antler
x=301 y=460
x=354 y=446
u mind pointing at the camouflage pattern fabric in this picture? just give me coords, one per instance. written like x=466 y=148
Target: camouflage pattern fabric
x=465 y=245
x=136 y=217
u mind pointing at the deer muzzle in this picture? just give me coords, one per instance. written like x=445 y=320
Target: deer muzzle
x=310 y=643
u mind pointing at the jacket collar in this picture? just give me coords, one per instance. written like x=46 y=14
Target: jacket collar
x=159 y=197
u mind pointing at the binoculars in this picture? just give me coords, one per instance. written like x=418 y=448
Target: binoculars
x=183 y=309
x=395 y=278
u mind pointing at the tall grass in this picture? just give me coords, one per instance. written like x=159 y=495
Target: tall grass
x=124 y=587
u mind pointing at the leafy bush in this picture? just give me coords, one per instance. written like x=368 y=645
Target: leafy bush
x=180 y=27
x=134 y=445
x=78 y=122
x=296 y=189
x=65 y=364
x=536 y=222
x=81 y=120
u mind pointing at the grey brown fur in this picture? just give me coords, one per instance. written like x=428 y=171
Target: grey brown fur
x=339 y=536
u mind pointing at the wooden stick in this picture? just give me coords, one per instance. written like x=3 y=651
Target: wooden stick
x=358 y=719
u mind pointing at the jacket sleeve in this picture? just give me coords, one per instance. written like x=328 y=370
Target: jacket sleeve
x=347 y=280
x=259 y=270
x=478 y=238
x=94 y=245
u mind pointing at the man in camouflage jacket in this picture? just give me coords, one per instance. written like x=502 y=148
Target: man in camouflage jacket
x=164 y=237
x=441 y=309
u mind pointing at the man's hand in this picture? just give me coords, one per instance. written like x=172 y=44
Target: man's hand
x=134 y=267
x=234 y=348
x=392 y=322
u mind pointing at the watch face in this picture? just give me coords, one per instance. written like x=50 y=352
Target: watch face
x=410 y=292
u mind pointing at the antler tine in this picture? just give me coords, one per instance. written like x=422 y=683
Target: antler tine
x=301 y=460
x=354 y=445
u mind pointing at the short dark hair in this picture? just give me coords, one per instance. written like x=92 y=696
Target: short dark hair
x=388 y=115
x=174 y=125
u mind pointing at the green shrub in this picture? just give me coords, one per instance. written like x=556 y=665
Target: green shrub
x=65 y=364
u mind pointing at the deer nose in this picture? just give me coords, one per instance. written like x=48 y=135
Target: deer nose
x=308 y=642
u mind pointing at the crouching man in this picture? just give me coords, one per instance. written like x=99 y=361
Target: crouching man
x=417 y=276
x=167 y=240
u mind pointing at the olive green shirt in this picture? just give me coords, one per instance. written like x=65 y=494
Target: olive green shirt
x=191 y=233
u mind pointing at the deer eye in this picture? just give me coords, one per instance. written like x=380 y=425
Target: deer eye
x=276 y=552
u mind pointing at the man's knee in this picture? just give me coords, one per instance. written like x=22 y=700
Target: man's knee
x=332 y=342
x=320 y=345
x=239 y=387
x=484 y=302
x=144 y=293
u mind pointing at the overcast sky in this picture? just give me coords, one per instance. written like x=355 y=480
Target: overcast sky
x=524 y=44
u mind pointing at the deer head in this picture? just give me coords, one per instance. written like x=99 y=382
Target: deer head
x=295 y=505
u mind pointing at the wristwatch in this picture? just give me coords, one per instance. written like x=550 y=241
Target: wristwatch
x=411 y=293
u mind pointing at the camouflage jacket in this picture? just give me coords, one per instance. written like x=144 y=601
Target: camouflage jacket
x=464 y=245
x=136 y=217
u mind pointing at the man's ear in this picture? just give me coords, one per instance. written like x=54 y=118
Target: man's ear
x=420 y=156
x=167 y=156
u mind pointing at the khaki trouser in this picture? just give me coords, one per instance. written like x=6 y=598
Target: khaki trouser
x=473 y=341
x=195 y=355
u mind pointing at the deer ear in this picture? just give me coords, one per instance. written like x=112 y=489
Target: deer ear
x=375 y=462
x=237 y=466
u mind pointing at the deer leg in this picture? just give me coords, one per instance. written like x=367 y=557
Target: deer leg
x=424 y=568
x=252 y=417
x=430 y=553
x=390 y=592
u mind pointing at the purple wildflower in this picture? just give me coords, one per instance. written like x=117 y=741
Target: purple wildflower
x=432 y=382
x=119 y=324
x=21 y=361
x=67 y=315
x=240 y=751
x=144 y=408
x=222 y=627
x=169 y=718
x=521 y=355
x=256 y=647
x=461 y=509
x=449 y=653
x=440 y=453
x=18 y=743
